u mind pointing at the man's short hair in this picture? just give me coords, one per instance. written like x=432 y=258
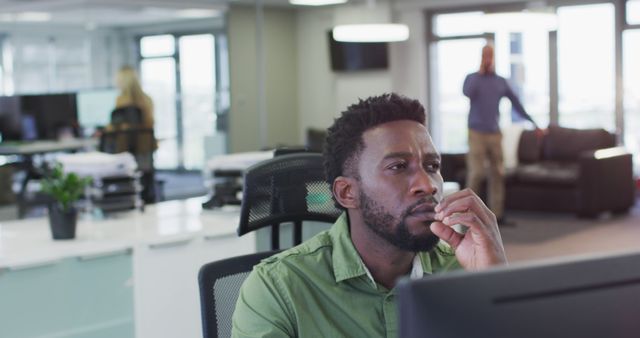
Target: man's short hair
x=344 y=142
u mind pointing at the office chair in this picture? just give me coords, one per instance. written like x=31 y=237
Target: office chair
x=140 y=142
x=128 y=115
x=287 y=188
x=220 y=284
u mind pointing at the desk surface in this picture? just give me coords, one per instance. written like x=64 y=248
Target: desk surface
x=41 y=147
x=27 y=243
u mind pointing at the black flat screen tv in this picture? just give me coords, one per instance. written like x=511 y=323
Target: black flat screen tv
x=357 y=56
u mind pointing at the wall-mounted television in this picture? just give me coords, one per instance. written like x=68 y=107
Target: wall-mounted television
x=358 y=56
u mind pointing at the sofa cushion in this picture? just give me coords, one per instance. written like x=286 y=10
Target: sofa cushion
x=529 y=147
x=566 y=144
x=547 y=173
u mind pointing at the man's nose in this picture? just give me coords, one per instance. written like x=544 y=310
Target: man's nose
x=423 y=183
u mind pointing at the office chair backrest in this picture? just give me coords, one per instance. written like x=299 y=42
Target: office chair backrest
x=129 y=115
x=140 y=142
x=288 y=188
x=220 y=284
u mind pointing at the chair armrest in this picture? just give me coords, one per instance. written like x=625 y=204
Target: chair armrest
x=606 y=180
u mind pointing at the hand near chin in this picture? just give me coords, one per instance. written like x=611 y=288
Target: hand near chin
x=481 y=246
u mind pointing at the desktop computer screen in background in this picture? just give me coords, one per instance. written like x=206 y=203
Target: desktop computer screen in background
x=593 y=297
x=95 y=106
x=55 y=114
x=10 y=120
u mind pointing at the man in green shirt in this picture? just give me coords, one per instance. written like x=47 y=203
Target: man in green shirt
x=385 y=174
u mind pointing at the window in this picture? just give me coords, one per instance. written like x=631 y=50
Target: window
x=631 y=59
x=586 y=66
x=458 y=24
x=186 y=128
x=633 y=12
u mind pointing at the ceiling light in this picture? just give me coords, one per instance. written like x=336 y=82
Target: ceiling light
x=33 y=16
x=197 y=13
x=316 y=2
x=384 y=32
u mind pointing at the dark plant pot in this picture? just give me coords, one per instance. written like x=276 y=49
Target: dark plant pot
x=63 y=223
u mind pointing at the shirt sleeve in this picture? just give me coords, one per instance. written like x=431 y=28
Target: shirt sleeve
x=262 y=309
x=515 y=102
x=468 y=88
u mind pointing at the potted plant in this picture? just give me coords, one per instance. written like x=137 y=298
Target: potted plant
x=65 y=189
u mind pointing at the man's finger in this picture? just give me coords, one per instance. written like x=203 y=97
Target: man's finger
x=466 y=204
x=446 y=234
x=452 y=198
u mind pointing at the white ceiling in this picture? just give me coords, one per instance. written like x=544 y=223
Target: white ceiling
x=106 y=13
x=114 y=13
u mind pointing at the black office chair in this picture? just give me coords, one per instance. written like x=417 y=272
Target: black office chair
x=128 y=115
x=288 y=188
x=141 y=143
x=220 y=284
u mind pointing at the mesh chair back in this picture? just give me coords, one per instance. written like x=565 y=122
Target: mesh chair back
x=287 y=188
x=129 y=115
x=220 y=284
x=140 y=142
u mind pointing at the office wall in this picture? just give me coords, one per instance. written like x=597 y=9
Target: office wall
x=281 y=79
x=324 y=93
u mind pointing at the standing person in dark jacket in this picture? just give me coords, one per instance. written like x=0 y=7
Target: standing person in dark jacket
x=485 y=89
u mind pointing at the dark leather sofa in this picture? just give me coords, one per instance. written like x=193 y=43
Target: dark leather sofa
x=567 y=170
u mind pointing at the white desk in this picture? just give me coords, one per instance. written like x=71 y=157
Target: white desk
x=160 y=250
x=43 y=147
x=28 y=149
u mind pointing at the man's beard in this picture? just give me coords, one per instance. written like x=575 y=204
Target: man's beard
x=381 y=223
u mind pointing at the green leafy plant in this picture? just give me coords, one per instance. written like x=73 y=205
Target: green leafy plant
x=64 y=188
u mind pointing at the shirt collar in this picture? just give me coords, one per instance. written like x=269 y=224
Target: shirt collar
x=417 y=271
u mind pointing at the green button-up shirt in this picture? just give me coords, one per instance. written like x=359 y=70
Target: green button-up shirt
x=322 y=289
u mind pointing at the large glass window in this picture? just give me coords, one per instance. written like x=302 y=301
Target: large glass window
x=586 y=67
x=633 y=12
x=458 y=24
x=159 y=81
x=157 y=45
x=197 y=83
x=521 y=56
x=454 y=59
x=631 y=57
x=184 y=127
x=42 y=64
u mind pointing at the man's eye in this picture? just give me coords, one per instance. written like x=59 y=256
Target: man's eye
x=398 y=166
x=432 y=167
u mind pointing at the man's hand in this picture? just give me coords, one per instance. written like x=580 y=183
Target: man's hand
x=481 y=246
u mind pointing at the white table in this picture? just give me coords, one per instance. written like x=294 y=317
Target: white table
x=156 y=255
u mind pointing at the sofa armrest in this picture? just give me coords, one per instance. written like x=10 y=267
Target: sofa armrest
x=604 y=153
x=606 y=181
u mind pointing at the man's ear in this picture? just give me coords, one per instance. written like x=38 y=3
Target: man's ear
x=345 y=189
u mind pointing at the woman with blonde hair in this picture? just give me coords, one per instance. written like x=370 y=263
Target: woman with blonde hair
x=132 y=95
x=131 y=128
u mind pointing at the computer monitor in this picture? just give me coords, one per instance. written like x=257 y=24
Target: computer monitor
x=587 y=297
x=55 y=114
x=10 y=120
x=95 y=106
